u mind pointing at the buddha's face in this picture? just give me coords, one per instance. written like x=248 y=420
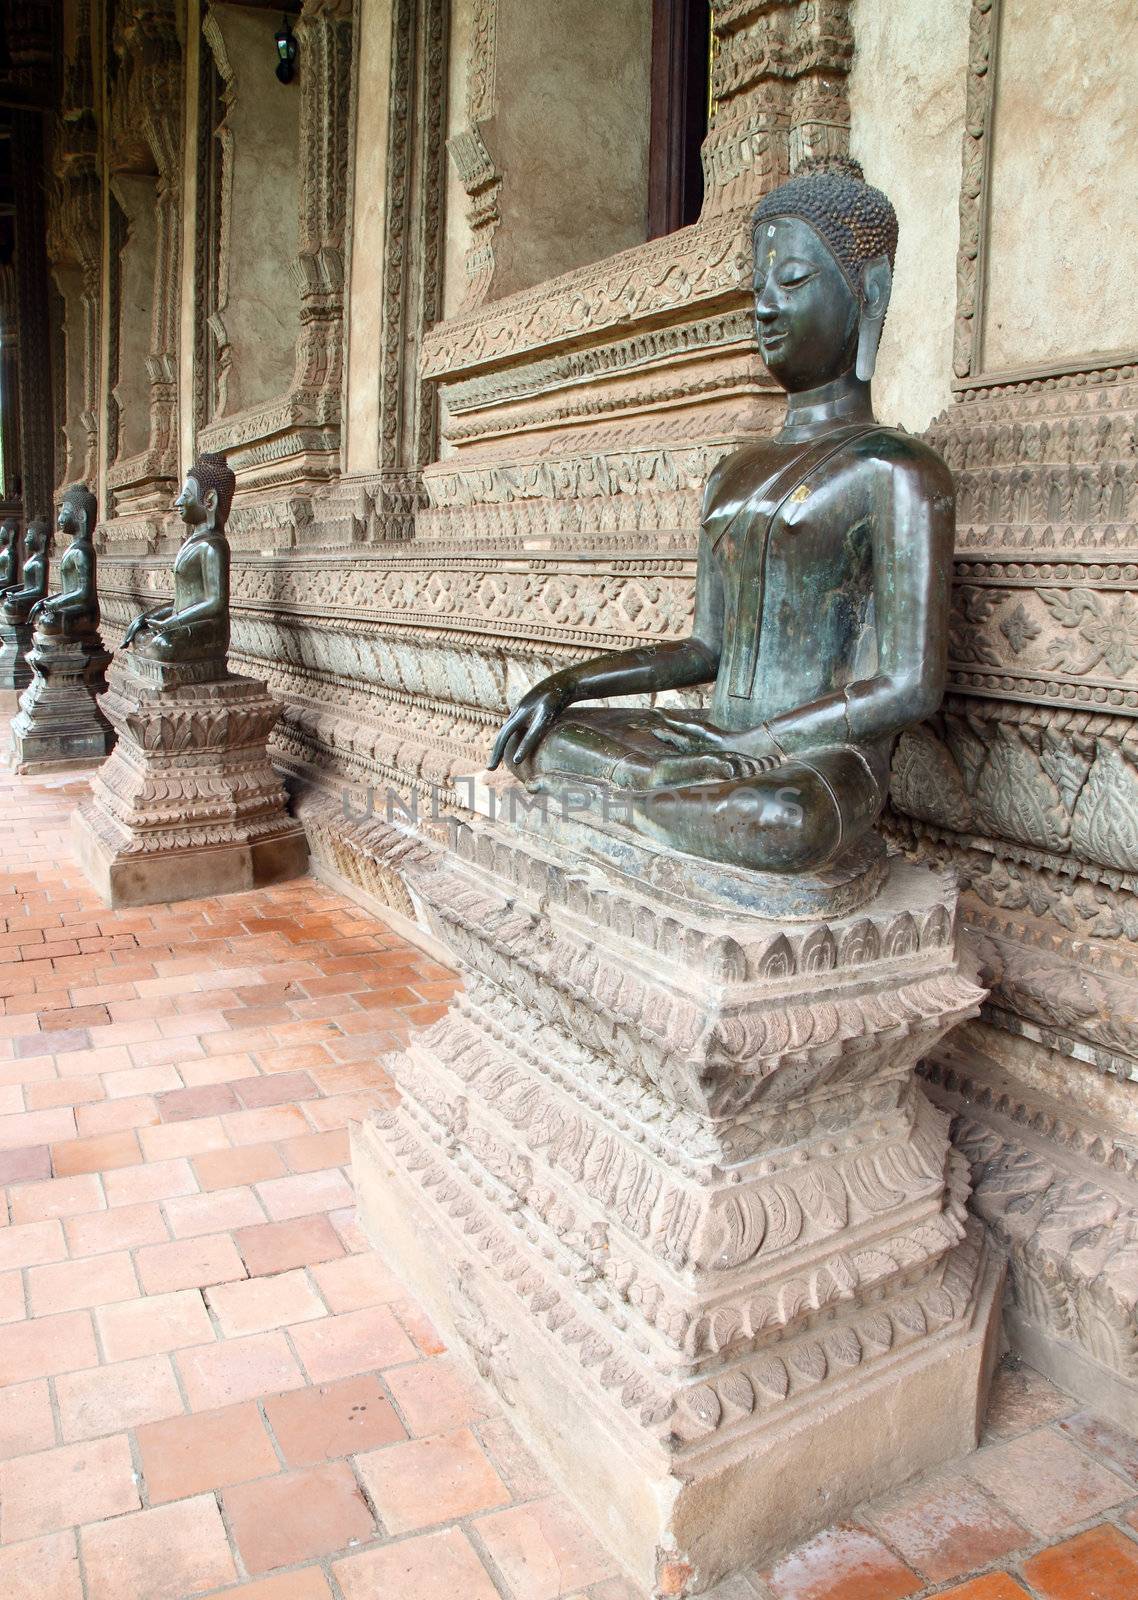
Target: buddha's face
x=806 y=312
x=67 y=521
x=190 y=504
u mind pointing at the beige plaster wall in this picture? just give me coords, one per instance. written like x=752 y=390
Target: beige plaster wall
x=907 y=92
x=261 y=315
x=570 y=136
x=373 y=82
x=1061 y=256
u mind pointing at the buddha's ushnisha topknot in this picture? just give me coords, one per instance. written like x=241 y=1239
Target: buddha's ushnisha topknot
x=213 y=472
x=82 y=503
x=856 y=220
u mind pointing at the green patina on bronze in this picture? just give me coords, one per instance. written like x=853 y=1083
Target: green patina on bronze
x=822 y=585
x=195 y=628
x=74 y=611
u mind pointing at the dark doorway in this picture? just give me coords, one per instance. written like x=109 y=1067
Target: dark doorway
x=681 y=44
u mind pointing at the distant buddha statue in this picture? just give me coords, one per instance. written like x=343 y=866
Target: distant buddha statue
x=9 y=554
x=821 y=589
x=22 y=600
x=74 y=611
x=195 y=628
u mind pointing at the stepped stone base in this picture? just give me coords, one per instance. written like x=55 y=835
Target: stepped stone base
x=189 y=803
x=59 y=723
x=664 y=1176
x=15 y=642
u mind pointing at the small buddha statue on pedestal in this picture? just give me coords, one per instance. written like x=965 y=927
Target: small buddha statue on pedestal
x=19 y=601
x=193 y=632
x=9 y=555
x=60 y=722
x=821 y=591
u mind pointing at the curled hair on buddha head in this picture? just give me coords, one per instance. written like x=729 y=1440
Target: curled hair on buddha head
x=854 y=219
x=83 y=504
x=213 y=472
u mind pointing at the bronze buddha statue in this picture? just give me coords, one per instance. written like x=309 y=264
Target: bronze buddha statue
x=74 y=611
x=195 y=628
x=822 y=584
x=9 y=554
x=20 y=601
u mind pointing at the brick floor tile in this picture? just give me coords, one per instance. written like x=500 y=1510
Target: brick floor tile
x=36 y=1127
x=58 y=1197
x=258 y=1304
x=194 y=1214
x=151 y=1326
x=158 y=1180
x=1046 y=1482
x=71 y=1484
x=512 y=1461
x=265 y=1125
x=131 y=1082
x=347 y=1225
x=1115 y=1449
x=205 y=1100
x=293 y=1517
x=436 y=1566
x=166 y=1553
x=334 y=1419
x=543 y=1549
x=232 y=1169
x=47 y=1346
x=304 y=1583
x=207 y=1450
x=107 y=1399
x=20 y=1166
x=948 y=1527
x=12 y=1306
x=419 y=1326
x=218 y=1067
x=275 y=1089
x=189 y=1264
x=101 y=1153
x=172 y=1139
x=995 y=1586
x=41 y=1569
x=56 y=1092
x=353 y=1282
x=436 y=1396
x=841 y=1564
x=238 y=1369
x=1022 y=1399
x=340 y=1109
x=356 y=1341
x=30 y=1244
x=26 y=1419
x=276 y=1246
x=311 y=1151
x=120 y=1228
x=70 y=1285
x=113 y=1116
x=1101 y=1564
x=426 y=1481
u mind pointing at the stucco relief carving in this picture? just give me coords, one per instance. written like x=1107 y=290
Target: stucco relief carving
x=472 y=161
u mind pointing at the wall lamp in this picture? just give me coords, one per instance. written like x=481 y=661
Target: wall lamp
x=287 y=51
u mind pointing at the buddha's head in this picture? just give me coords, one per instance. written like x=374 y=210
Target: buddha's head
x=207 y=493
x=825 y=243
x=35 y=539
x=8 y=533
x=77 y=512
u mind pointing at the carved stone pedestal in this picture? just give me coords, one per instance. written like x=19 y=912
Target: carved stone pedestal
x=59 y=722
x=15 y=642
x=665 y=1175
x=188 y=804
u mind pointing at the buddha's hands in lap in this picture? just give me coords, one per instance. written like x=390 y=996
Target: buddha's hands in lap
x=525 y=727
x=710 y=766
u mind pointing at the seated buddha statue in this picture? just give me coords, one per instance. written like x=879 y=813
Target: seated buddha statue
x=822 y=584
x=74 y=611
x=9 y=555
x=196 y=626
x=22 y=600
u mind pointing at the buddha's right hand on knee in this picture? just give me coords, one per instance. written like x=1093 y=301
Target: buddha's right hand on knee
x=528 y=723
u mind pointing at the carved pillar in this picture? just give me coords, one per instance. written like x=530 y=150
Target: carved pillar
x=146 y=151
x=37 y=467
x=9 y=387
x=75 y=253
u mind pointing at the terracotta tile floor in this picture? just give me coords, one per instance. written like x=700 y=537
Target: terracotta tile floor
x=210 y=1386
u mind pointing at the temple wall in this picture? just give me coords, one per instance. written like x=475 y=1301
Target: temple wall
x=482 y=457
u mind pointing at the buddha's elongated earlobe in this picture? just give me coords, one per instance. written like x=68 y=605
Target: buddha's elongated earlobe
x=876 y=287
